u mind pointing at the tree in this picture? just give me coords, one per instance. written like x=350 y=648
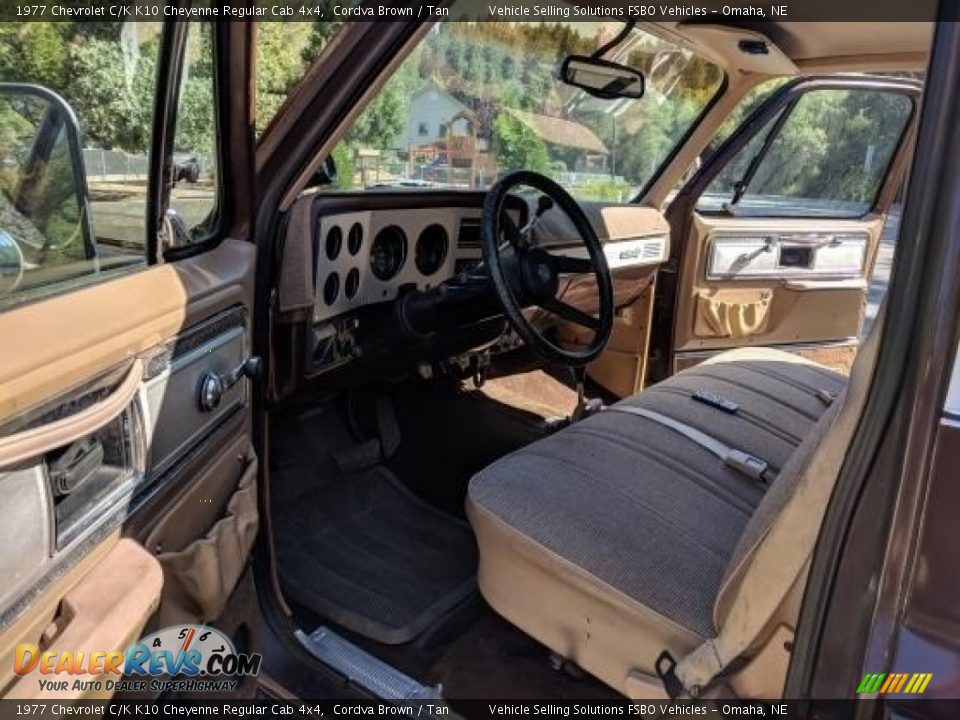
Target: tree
x=34 y=52
x=517 y=146
x=113 y=113
x=281 y=50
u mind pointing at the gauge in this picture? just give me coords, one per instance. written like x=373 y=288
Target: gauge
x=334 y=242
x=355 y=238
x=331 y=288
x=431 y=249
x=388 y=252
x=352 y=283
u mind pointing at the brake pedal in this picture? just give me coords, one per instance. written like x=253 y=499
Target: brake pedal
x=388 y=427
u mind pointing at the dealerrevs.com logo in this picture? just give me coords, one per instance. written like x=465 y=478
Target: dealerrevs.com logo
x=183 y=657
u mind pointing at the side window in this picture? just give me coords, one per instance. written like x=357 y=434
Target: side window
x=193 y=197
x=824 y=156
x=76 y=109
x=76 y=120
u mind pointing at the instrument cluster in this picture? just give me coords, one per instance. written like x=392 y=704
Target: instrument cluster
x=369 y=256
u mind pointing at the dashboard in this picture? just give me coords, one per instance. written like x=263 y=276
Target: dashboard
x=367 y=249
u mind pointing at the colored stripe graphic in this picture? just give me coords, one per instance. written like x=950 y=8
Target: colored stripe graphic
x=870 y=683
x=894 y=683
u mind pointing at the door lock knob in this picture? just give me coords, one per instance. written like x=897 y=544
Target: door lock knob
x=213 y=386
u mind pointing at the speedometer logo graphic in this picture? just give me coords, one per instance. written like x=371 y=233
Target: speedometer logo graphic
x=189 y=650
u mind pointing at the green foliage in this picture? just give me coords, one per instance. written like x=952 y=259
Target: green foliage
x=382 y=121
x=346 y=172
x=34 y=52
x=605 y=190
x=281 y=48
x=517 y=146
x=114 y=113
x=834 y=146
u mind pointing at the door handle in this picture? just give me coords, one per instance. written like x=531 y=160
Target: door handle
x=36 y=441
x=213 y=386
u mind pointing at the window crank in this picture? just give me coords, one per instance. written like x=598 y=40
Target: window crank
x=213 y=386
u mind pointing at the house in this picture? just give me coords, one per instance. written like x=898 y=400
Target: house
x=557 y=131
x=431 y=110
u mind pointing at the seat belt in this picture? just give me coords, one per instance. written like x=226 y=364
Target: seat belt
x=743 y=462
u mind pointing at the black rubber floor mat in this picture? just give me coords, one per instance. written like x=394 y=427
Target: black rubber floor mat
x=372 y=557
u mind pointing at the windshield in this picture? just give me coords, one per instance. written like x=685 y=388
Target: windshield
x=477 y=100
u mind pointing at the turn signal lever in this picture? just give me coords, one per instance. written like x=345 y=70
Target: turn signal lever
x=213 y=387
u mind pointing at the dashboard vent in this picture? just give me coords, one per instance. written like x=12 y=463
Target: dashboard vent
x=652 y=250
x=469 y=235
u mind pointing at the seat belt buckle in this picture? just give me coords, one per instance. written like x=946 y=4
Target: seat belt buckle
x=752 y=467
x=666 y=666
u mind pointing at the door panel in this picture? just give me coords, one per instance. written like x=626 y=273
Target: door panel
x=132 y=579
x=104 y=431
x=763 y=282
x=780 y=226
x=67 y=340
x=176 y=322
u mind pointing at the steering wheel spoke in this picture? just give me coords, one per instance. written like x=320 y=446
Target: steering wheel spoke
x=510 y=231
x=572 y=265
x=531 y=277
x=569 y=312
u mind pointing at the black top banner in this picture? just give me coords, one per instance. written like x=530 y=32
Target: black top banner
x=741 y=12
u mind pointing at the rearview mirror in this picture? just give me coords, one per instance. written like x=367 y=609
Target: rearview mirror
x=602 y=78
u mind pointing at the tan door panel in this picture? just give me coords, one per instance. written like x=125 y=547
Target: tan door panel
x=132 y=347
x=105 y=611
x=62 y=342
x=761 y=299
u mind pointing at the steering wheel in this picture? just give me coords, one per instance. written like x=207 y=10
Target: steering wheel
x=530 y=277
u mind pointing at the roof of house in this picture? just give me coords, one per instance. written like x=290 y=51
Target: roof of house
x=560 y=132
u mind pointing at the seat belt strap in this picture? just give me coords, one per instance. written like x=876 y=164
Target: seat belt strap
x=743 y=462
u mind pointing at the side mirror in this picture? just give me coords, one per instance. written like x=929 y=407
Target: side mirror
x=44 y=199
x=602 y=78
x=326 y=174
x=11 y=264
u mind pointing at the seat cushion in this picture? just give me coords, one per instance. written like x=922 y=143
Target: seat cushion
x=608 y=540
